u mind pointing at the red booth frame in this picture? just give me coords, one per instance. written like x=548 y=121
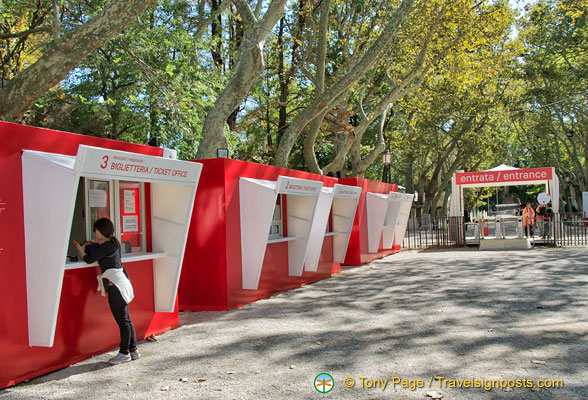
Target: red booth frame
x=211 y=277
x=84 y=326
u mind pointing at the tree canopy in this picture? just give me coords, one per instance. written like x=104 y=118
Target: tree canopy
x=320 y=85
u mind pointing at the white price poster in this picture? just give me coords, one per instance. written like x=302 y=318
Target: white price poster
x=130 y=223
x=129 y=199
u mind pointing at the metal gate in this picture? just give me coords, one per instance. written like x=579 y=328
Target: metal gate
x=564 y=230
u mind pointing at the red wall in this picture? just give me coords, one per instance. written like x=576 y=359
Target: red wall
x=85 y=326
x=357 y=250
x=211 y=274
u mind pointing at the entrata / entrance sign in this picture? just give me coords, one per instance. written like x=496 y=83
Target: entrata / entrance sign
x=514 y=175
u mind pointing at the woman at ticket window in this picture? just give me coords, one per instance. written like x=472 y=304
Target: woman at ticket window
x=528 y=219
x=115 y=282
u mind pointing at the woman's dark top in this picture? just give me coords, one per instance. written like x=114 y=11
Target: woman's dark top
x=107 y=254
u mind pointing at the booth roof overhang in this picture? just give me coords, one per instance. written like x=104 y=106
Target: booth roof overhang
x=50 y=184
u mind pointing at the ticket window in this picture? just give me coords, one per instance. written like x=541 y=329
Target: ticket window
x=277 y=226
x=120 y=201
x=130 y=196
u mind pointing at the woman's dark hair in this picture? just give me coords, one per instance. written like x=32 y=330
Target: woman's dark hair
x=106 y=228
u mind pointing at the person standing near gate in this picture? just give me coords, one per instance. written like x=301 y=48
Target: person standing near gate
x=548 y=216
x=528 y=219
x=540 y=212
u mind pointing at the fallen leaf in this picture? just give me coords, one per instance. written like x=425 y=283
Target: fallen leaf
x=490 y=330
x=183 y=379
x=151 y=338
x=258 y=372
x=434 y=395
x=508 y=389
x=319 y=342
x=292 y=366
x=200 y=380
x=165 y=389
x=539 y=362
x=128 y=384
x=437 y=276
x=231 y=372
x=541 y=307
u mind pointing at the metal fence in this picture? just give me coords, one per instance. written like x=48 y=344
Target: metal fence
x=425 y=233
x=570 y=229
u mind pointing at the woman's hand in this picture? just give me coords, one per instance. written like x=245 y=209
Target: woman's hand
x=81 y=249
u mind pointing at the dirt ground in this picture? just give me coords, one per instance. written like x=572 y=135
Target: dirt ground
x=461 y=324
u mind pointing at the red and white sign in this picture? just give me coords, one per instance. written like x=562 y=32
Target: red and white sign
x=287 y=185
x=505 y=176
x=114 y=164
x=395 y=196
x=351 y=192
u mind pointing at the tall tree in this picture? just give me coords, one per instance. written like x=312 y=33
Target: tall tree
x=63 y=53
x=248 y=70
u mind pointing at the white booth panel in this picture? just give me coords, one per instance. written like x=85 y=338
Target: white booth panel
x=344 y=210
x=301 y=210
x=50 y=184
x=49 y=190
x=171 y=211
x=403 y=219
x=394 y=204
x=377 y=205
x=257 y=199
x=317 y=231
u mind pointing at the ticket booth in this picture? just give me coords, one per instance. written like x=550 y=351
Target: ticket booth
x=387 y=216
x=54 y=186
x=252 y=236
x=376 y=221
x=334 y=217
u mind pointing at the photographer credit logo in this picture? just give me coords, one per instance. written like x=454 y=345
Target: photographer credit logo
x=324 y=383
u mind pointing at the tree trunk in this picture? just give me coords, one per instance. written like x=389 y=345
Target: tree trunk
x=249 y=68
x=63 y=54
x=320 y=63
x=321 y=102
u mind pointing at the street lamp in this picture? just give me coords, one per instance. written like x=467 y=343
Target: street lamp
x=386 y=161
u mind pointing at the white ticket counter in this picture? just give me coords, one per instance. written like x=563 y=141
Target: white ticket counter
x=262 y=214
x=98 y=183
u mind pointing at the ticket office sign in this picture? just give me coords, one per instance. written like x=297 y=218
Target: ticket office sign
x=113 y=164
x=287 y=185
x=346 y=191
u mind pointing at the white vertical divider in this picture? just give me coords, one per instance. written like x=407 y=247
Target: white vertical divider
x=345 y=199
x=49 y=189
x=403 y=219
x=171 y=212
x=377 y=205
x=257 y=199
x=394 y=203
x=318 y=228
x=301 y=210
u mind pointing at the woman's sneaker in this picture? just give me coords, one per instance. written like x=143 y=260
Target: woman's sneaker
x=119 y=358
x=135 y=355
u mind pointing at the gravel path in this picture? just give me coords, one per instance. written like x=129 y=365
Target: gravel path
x=411 y=318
